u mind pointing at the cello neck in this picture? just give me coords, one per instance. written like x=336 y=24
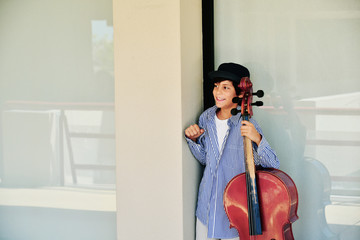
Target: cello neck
x=248 y=155
x=252 y=197
x=251 y=188
x=249 y=158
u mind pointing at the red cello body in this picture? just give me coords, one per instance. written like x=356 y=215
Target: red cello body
x=260 y=204
x=278 y=200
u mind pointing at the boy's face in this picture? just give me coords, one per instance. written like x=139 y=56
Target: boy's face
x=224 y=92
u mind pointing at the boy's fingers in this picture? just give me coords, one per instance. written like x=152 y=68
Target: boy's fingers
x=246 y=123
x=191 y=131
x=199 y=130
x=194 y=131
x=196 y=127
x=188 y=132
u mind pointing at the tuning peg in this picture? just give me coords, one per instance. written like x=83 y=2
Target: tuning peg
x=257 y=103
x=259 y=93
x=235 y=111
x=236 y=100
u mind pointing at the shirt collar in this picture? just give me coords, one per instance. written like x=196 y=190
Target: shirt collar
x=234 y=120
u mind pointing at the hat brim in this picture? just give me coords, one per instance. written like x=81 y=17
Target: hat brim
x=224 y=75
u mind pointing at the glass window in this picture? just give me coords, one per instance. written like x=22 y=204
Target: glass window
x=57 y=144
x=305 y=55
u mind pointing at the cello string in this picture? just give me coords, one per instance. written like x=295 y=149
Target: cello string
x=250 y=206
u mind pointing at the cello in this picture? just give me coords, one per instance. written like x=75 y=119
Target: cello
x=261 y=204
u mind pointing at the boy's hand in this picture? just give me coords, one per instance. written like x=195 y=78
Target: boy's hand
x=248 y=130
x=193 y=132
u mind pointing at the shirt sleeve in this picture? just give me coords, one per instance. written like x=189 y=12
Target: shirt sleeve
x=264 y=155
x=198 y=148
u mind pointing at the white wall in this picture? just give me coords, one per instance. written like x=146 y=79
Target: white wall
x=158 y=92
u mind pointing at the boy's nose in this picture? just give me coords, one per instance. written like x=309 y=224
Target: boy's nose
x=218 y=90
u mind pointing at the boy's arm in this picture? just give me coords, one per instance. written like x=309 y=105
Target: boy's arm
x=264 y=155
x=197 y=149
x=194 y=136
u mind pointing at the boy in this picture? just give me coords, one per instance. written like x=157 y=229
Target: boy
x=217 y=143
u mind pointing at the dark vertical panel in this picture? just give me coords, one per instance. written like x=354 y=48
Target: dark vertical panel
x=208 y=49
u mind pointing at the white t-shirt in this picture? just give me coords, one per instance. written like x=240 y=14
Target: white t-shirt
x=221 y=128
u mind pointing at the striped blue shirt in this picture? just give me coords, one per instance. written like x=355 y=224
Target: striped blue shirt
x=221 y=165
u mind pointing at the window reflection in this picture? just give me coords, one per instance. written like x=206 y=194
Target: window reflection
x=57 y=146
x=73 y=144
x=305 y=57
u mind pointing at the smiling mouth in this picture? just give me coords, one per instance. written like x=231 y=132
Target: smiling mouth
x=220 y=99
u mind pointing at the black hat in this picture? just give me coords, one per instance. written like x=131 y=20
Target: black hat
x=230 y=71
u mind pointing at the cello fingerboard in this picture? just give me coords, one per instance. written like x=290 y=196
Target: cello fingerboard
x=251 y=189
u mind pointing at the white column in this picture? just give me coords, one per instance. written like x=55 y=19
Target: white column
x=158 y=64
